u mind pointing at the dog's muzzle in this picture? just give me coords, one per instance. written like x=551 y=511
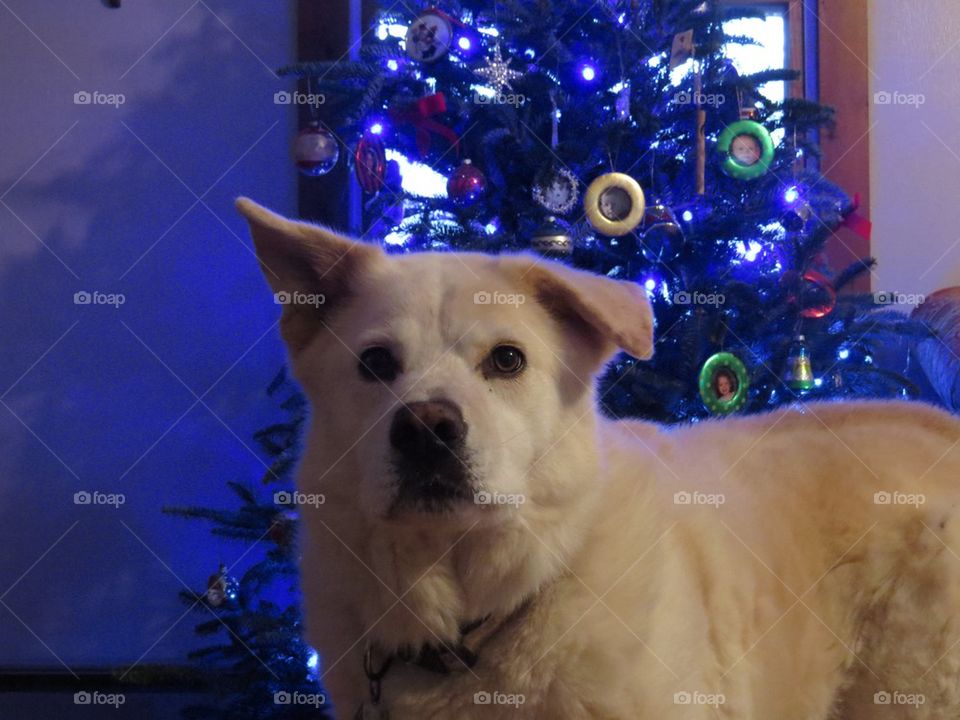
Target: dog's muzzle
x=428 y=440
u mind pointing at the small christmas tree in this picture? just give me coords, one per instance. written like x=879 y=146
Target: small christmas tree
x=260 y=665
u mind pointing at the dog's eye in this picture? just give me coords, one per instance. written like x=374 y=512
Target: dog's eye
x=507 y=360
x=378 y=363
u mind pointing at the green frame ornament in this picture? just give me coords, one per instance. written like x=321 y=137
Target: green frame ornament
x=708 y=394
x=735 y=168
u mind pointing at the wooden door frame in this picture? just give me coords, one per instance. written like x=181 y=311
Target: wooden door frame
x=844 y=48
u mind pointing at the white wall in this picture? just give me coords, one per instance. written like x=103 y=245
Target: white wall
x=95 y=398
x=915 y=146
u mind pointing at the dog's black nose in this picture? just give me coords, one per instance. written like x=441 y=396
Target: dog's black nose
x=426 y=430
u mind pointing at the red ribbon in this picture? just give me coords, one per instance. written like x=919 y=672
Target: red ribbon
x=420 y=114
x=856 y=222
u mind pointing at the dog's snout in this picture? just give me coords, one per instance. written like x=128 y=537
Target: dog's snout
x=422 y=429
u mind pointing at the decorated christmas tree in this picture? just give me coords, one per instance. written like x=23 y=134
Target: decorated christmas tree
x=616 y=136
x=620 y=138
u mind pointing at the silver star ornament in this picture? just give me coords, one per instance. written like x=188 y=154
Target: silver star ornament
x=498 y=72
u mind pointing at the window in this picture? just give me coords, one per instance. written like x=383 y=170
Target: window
x=770 y=52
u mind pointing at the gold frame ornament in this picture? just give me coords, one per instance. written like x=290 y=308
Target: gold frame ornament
x=605 y=223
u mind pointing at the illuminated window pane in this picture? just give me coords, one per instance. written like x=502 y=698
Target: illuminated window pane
x=770 y=53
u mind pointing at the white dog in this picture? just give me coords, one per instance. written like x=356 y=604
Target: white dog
x=490 y=547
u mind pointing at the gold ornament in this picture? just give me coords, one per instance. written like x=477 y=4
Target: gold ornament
x=799 y=367
x=614 y=204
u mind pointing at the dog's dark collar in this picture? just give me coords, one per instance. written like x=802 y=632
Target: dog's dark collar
x=442 y=659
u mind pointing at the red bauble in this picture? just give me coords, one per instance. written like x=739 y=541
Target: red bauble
x=371 y=163
x=467 y=184
x=812 y=291
x=315 y=150
x=819 y=297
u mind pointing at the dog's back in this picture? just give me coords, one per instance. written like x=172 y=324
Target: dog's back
x=802 y=558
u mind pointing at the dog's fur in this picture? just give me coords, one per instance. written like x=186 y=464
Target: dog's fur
x=798 y=598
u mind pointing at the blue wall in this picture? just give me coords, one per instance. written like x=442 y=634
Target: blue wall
x=102 y=398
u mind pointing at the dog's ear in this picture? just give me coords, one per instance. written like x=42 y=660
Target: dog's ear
x=611 y=313
x=310 y=268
